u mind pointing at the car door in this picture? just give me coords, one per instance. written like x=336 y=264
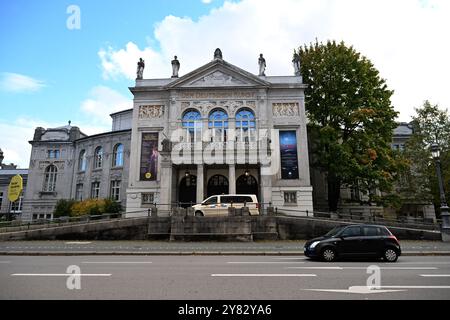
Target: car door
x=210 y=206
x=351 y=243
x=224 y=203
x=372 y=240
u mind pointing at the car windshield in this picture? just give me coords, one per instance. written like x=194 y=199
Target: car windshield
x=334 y=231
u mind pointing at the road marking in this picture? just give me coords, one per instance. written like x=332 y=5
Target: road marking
x=438 y=262
x=116 y=262
x=356 y=289
x=261 y=262
x=60 y=274
x=79 y=242
x=365 y=268
x=289 y=258
x=263 y=275
x=435 y=275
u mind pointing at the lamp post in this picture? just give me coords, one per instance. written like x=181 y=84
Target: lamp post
x=435 y=152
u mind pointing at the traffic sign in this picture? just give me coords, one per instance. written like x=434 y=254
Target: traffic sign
x=15 y=188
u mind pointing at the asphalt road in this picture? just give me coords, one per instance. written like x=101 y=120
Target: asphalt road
x=156 y=247
x=219 y=278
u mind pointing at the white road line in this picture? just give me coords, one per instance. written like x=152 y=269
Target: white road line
x=261 y=262
x=289 y=258
x=435 y=275
x=415 y=287
x=116 y=262
x=78 y=242
x=60 y=274
x=263 y=275
x=437 y=262
x=365 y=268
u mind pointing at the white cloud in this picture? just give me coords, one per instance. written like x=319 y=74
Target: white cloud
x=405 y=39
x=101 y=103
x=206 y=1
x=14 y=82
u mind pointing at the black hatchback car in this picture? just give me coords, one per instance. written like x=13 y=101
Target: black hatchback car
x=355 y=241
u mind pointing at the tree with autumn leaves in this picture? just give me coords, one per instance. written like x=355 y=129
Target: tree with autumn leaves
x=351 y=121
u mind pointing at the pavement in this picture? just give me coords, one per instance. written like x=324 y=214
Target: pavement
x=192 y=279
x=409 y=248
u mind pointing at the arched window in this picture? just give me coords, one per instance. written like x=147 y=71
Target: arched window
x=245 y=126
x=50 y=178
x=82 y=161
x=98 y=158
x=118 y=155
x=192 y=124
x=218 y=124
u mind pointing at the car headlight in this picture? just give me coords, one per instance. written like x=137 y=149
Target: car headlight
x=314 y=244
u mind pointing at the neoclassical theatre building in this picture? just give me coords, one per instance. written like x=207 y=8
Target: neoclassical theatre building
x=216 y=130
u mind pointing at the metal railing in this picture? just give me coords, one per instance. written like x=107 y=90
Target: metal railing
x=364 y=218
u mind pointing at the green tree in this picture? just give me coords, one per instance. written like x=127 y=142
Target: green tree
x=63 y=208
x=351 y=119
x=430 y=125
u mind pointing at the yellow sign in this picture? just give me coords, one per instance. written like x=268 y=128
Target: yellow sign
x=15 y=188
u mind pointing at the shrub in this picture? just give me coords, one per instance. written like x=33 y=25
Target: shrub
x=95 y=207
x=63 y=208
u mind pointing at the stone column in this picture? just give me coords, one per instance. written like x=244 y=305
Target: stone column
x=200 y=182
x=266 y=188
x=232 y=178
x=165 y=196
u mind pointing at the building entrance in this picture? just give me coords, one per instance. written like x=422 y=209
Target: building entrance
x=247 y=185
x=188 y=191
x=217 y=184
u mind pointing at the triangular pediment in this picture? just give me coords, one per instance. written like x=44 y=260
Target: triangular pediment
x=219 y=73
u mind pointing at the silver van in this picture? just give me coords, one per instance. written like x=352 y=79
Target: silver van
x=218 y=204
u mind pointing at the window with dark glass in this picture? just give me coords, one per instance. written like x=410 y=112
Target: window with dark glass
x=95 y=190
x=98 y=158
x=218 y=124
x=245 y=126
x=352 y=232
x=50 y=178
x=82 y=161
x=115 y=190
x=192 y=125
x=118 y=155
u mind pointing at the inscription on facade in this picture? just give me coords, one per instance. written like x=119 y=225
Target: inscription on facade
x=218 y=94
x=285 y=109
x=151 y=112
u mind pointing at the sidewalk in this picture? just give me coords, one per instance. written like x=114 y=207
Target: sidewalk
x=294 y=247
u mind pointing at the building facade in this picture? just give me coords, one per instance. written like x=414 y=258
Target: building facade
x=218 y=130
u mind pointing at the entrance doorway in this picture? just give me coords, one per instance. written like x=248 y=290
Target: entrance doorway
x=188 y=191
x=247 y=185
x=217 y=184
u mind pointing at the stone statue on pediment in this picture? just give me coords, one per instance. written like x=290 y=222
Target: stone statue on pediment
x=140 y=69
x=262 y=65
x=296 y=63
x=166 y=145
x=218 y=54
x=175 y=67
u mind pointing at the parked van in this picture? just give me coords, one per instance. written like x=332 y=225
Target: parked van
x=219 y=204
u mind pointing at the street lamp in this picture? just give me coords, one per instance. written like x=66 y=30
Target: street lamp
x=435 y=152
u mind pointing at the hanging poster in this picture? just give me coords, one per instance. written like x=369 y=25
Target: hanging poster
x=149 y=157
x=289 y=158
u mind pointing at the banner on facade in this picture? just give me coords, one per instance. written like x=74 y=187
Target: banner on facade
x=15 y=188
x=289 y=158
x=149 y=157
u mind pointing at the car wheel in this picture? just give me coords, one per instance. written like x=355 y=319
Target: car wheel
x=390 y=255
x=198 y=214
x=328 y=254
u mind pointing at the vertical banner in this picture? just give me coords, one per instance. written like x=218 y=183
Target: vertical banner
x=149 y=157
x=289 y=158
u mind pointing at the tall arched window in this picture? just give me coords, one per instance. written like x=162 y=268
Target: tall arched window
x=245 y=126
x=82 y=161
x=218 y=124
x=50 y=178
x=118 y=155
x=192 y=124
x=98 y=158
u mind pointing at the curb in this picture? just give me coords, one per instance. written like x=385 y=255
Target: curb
x=189 y=253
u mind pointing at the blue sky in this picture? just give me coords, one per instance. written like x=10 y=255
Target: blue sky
x=50 y=74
